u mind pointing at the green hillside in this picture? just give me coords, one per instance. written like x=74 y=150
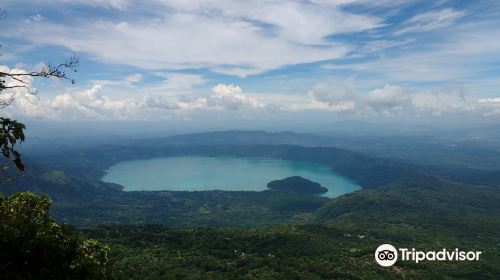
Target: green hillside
x=339 y=244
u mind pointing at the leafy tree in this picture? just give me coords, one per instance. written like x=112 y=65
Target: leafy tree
x=34 y=246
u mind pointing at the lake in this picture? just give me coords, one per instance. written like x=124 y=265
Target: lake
x=197 y=173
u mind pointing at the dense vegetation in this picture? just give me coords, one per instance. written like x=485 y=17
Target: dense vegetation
x=426 y=216
x=284 y=252
x=34 y=246
x=296 y=184
x=204 y=208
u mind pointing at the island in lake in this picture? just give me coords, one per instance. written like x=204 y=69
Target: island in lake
x=296 y=184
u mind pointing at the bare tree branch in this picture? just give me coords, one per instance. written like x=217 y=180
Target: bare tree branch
x=48 y=71
x=11 y=131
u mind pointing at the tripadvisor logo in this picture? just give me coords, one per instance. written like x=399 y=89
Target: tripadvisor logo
x=387 y=255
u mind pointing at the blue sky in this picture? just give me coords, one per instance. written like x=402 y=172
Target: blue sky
x=263 y=60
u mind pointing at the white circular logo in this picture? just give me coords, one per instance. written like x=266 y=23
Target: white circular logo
x=386 y=255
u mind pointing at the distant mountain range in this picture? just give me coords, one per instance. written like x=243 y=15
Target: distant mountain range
x=241 y=137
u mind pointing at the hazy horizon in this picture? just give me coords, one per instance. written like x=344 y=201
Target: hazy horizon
x=154 y=129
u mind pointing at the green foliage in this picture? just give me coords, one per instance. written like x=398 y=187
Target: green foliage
x=428 y=215
x=181 y=209
x=34 y=246
x=11 y=133
x=281 y=252
x=446 y=205
x=284 y=252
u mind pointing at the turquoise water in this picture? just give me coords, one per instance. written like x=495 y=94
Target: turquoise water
x=194 y=173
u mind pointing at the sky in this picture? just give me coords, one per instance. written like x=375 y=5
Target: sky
x=268 y=62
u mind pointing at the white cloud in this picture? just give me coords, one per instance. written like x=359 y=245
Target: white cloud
x=393 y=100
x=389 y=97
x=223 y=97
x=21 y=85
x=379 y=45
x=84 y=104
x=128 y=80
x=121 y=5
x=38 y=17
x=495 y=100
x=240 y=40
x=177 y=81
x=431 y=20
x=134 y=78
x=160 y=102
x=466 y=55
x=93 y=103
x=296 y=21
x=232 y=102
x=344 y=97
x=341 y=96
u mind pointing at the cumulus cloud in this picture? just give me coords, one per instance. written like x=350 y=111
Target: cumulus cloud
x=395 y=100
x=445 y=101
x=495 y=100
x=232 y=97
x=224 y=97
x=94 y=103
x=339 y=97
x=343 y=97
x=387 y=99
x=84 y=104
x=89 y=103
x=21 y=85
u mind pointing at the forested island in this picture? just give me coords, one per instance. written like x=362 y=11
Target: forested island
x=296 y=184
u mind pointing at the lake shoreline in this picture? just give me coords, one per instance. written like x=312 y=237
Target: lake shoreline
x=222 y=173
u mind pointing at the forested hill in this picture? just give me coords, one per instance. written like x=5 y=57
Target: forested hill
x=242 y=138
x=57 y=184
